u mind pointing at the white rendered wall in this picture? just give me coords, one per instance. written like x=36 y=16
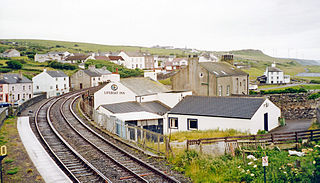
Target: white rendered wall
x=245 y=125
x=108 y=96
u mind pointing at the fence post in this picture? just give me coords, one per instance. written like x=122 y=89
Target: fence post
x=272 y=138
x=200 y=144
x=167 y=146
x=158 y=143
x=136 y=134
x=311 y=135
x=144 y=139
x=296 y=140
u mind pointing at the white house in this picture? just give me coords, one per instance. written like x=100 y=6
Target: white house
x=133 y=59
x=10 y=53
x=117 y=60
x=205 y=113
x=139 y=90
x=275 y=75
x=54 y=83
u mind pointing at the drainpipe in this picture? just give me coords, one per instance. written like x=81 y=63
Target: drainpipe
x=208 y=77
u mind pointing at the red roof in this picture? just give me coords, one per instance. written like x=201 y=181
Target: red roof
x=101 y=58
x=116 y=58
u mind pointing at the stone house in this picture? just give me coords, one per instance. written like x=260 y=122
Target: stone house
x=92 y=77
x=211 y=79
x=54 y=83
x=10 y=53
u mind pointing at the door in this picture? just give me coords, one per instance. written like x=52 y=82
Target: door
x=266 y=121
x=80 y=86
x=7 y=98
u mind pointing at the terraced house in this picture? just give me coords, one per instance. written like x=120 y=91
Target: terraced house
x=15 y=87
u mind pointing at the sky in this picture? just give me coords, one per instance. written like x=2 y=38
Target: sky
x=280 y=28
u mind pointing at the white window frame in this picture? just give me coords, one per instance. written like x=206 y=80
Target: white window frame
x=188 y=125
x=172 y=122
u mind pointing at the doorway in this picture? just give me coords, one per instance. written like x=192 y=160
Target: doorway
x=80 y=86
x=266 y=121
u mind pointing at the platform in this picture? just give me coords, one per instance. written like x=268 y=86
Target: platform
x=48 y=169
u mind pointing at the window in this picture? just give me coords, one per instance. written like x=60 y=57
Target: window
x=24 y=95
x=1 y=97
x=220 y=90
x=23 y=87
x=57 y=87
x=137 y=65
x=1 y=88
x=64 y=78
x=173 y=123
x=29 y=95
x=228 y=90
x=37 y=87
x=132 y=66
x=94 y=79
x=65 y=86
x=29 y=87
x=98 y=79
x=277 y=77
x=192 y=124
x=12 y=88
x=244 y=83
x=141 y=66
x=56 y=79
x=51 y=87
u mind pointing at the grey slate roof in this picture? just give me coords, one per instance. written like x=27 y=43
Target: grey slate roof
x=91 y=73
x=221 y=69
x=143 y=86
x=227 y=107
x=274 y=69
x=125 y=107
x=15 y=78
x=56 y=74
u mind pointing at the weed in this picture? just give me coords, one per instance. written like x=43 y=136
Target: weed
x=8 y=160
x=13 y=171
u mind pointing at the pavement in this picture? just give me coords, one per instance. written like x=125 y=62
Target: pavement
x=48 y=169
x=293 y=125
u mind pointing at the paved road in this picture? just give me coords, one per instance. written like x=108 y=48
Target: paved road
x=293 y=125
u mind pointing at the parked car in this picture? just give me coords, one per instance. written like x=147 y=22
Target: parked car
x=4 y=104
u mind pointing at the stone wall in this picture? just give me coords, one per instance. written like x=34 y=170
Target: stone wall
x=296 y=105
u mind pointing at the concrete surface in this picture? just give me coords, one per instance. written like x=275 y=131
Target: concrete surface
x=293 y=125
x=48 y=169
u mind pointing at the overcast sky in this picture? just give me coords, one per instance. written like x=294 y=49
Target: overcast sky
x=282 y=28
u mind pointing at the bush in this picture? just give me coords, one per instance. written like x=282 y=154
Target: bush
x=4 y=70
x=251 y=92
x=58 y=65
x=315 y=81
x=287 y=90
x=14 y=64
x=314 y=96
x=123 y=71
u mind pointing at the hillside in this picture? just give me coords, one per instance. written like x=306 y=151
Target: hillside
x=256 y=59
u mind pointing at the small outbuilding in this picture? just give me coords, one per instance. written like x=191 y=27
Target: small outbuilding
x=246 y=114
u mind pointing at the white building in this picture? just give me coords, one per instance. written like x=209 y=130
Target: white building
x=205 y=113
x=275 y=75
x=133 y=60
x=10 y=53
x=139 y=90
x=54 y=83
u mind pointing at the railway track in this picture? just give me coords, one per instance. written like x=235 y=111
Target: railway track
x=76 y=167
x=85 y=155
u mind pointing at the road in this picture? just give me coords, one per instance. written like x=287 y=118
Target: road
x=294 y=125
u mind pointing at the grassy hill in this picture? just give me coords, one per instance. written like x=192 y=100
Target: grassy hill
x=257 y=60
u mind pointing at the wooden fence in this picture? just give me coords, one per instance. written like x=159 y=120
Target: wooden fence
x=260 y=140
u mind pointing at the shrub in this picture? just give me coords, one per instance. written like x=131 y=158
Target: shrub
x=14 y=64
x=58 y=65
x=314 y=95
x=315 y=81
x=4 y=70
x=287 y=90
x=12 y=171
x=251 y=92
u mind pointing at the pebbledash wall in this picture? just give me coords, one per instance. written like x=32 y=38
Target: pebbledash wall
x=296 y=106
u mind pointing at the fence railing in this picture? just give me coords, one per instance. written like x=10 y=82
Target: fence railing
x=258 y=140
x=29 y=103
x=145 y=139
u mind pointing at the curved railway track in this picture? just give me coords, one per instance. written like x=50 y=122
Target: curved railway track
x=76 y=167
x=84 y=154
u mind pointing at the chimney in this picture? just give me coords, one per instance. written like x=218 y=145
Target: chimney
x=116 y=71
x=91 y=67
x=20 y=75
x=1 y=76
x=44 y=70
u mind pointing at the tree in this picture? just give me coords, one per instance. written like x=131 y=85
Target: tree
x=14 y=64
